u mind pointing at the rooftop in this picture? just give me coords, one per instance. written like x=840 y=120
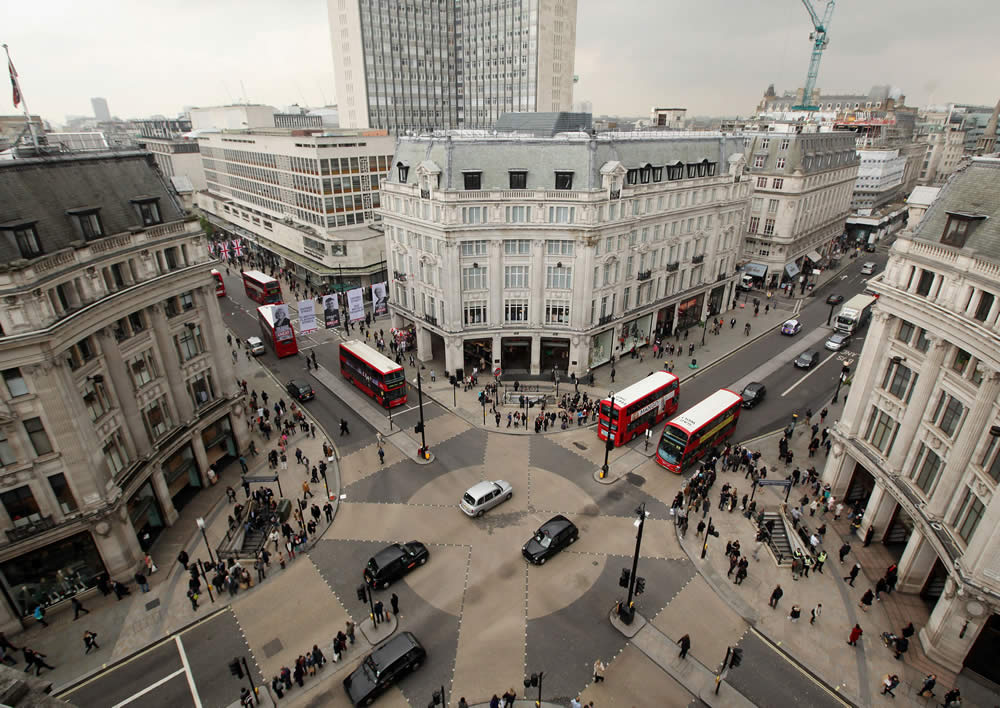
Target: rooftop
x=923 y=196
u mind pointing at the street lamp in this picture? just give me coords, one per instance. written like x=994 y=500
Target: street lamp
x=636 y=586
x=841 y=379
x=201 y=525
x=419 y=428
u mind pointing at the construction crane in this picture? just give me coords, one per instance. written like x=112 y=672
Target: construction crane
x=820 y=41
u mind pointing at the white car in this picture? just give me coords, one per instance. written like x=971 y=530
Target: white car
x=791 y=327
x=484 y=496
x=256 y=345
x=868 y=268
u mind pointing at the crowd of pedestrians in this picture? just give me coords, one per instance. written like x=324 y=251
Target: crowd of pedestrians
x=309 y=663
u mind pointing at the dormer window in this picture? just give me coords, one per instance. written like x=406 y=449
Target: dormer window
x=632 y=176
x=403 y=171
x=25 y=237
x=675 y=171
x=473 y=180
x=148 y=209
x=958 y=228
x=657 y=174
x=646 y=174
x=88 y=222
x=564 y=180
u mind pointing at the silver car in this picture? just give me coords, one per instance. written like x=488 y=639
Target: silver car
x=838 y=341
x=484 y=496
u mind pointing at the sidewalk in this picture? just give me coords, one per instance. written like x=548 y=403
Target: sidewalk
x=627 y=370
x=140 y=619
x=821 y=649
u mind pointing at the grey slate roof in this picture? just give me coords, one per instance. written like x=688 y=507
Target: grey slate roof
x=579 y=153
x=972 y=190
x=543 y=124
x=44 y=189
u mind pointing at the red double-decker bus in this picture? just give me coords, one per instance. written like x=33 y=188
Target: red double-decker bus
x=276 y=329
x=220 y=286
x=638 y=407
x=698 y=430
x=261 y=287
x=374 y=373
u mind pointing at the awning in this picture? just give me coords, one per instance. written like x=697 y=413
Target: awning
x=814 y=257
x=792 y=270
x=755 y=270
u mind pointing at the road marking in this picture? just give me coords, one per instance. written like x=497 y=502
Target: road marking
x=792 y=387
x=187 y=670
x=775 y=647
x=149 y=688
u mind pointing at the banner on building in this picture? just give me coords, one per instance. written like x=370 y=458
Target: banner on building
x=211 y=247
x=237 y=249
x=307 y=316
x=356 y=304
x=380 y=298
x=224 y=251
x=331 y=311
x=282 y=324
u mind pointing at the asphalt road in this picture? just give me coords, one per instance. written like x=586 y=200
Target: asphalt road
x=188 y=669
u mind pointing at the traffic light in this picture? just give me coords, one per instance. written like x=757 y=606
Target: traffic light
x=640 y=586
x=609 y=444
x=454 y=382
x=418 y=428
x=531 y=682
x=362 y=593
x=712 y=531
x=623 y=581
x=235 y=669
x=736 y=658
x=436 y=698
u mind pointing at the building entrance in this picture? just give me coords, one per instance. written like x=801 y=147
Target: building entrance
x=478 y=353
x=982 y=658
x=860 y=487
x=515 y=354
x=555 y=355
x=897 y=533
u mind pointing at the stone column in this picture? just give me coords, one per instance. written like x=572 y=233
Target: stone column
x=179 y=399
x=424 y=348
x=453 y=359
x=946 y=638
x=864 y=377
x=916 y=563
x=134 y=435
x=497 y=344
x=878 y=512
x=839 y=466
x=976 y=423
x=200 y=456
x=536 y=354
x=213 y=332
x=918 y=406
x=170 y=514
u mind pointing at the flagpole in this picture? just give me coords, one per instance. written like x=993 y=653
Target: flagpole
x=20 y=95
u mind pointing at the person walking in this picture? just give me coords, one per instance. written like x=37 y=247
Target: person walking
x=509 y=697
x=142 y=582
x=866 y=600
x=795 y=613
x=880 y=587
x=775 y=596
x=39 y=615
x=349 y=629
x=343 y=427
x=952 y=698
x=855 y=635
x=183 y=559
x=889 y=683
x=820 y=560
x=379 y=611
x=844 y=550
x=193 y=597
x=685 y=644
x=306 y=492
x=78 y=608
x=394 y=601
x=90 y=641
x=853 y=574
x=928 y=687
x=36 y=659
x=381 y=456
x=815 y=613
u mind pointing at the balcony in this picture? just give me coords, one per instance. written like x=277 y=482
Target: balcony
x=399 y=277
x=19 y=533
x=673 y=267
x=698 y=259
x=644 y=275
x=425 y=194
x=604 y=319
x=722 y=276
x=431 y=319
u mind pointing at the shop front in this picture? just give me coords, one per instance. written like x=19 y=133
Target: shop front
x=665 y=321
x=515 y=354
x=180 y=472
x=555 y=355
x=477 y=353
x=146 y=515
x=220 y=445
x=689 y=312
x=53 y=573
x=601 y=345
x=716 y=300
x=635 y=333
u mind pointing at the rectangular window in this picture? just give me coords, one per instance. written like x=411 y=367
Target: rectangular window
x=517 y=247
x=6 y=453
x=473 y=180
x=784 y=144
x=27 y=240
x=772 y=206
x=39 y=438
x=991 y=460
x=472 y=215
x=557 y=312
x=473 y=278
x=143 y=369
x=473 y=248
x=925 y=283
x=905 y=332
x=515 y=310
x=897 y=380
x=518 y=214
x=148 y=210
x=190 y=343
x=559 y=248
x=114 y=454
x=90 y=224
x=768 y=227
x=754 y=224
x=515 y=276
x=925 y=471
x=201 y=389
x=564 y=180
x=474 y=312
x=757 y=204
x=985 y=305
x=561 y=215
x=21 y=506
x=156 y=418
x=881 y=430
x=518 y=179
x=96 y=399
x=64 y=495
x=557 y=278
x=16 y=385
x=780 y=164
x=948 y=413
x=961 y=361
x=969 y=514
x=762 y=182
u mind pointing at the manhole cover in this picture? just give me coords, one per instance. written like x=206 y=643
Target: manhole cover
x=152 y=605
x=580 y=445
x=636 y=479
x=272 y=648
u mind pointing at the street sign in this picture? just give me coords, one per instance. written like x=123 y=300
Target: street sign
x=774 y=483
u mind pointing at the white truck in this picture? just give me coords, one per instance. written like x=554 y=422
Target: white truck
x=854 y=314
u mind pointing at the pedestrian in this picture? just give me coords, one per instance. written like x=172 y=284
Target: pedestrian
x=795 y=613
x=495 y=701
x=775 y=596
x=509 y=697
x=379 y=611
x=598 y=670
x=343 y=427
x=141 y=581
x=820 y=560
x=277 y=687
x=815 y=613
x=36 y=659
x=685 y=644
x=879 y=589
x=902 y=644
x=306 y=491
x=866 y=600
x=908 y=630
x=39 y=615
x=952 y=698
x=928 y=686
x=746 y=329
x=78 y=608
x=394 y=601
x=844 y=550
x=90 y=641
x=183 y=559
x=193 y=597
x=462 y=703
x=853 y=574
x=889 y=683
x=349 y=629
x=855 y=635
x=381 y=456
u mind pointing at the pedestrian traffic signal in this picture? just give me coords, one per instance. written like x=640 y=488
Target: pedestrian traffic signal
x=712 y=531
x=640 y=586
x=362 y=593
x=736 y=658
x=623 y=581
x=235 y=668
x=533 y=681
x=418 y=428
x=609 y=444
x=454 y=382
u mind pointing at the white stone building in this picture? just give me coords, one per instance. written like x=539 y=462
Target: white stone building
x=175 y=152
x=541 y=253
x=945 y=147
x=803 y=182
x=452 y=65
x=919 y=439
x=880 y=175
x=306 y=200
x=117 y=396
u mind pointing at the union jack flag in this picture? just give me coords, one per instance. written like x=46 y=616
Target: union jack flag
x=224 y=251
x=211 y=247
x=237 y=249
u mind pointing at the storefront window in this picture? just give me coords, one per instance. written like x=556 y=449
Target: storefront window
x=181 y=470
x=144 y=512
x=53 y=573
x=21 y=506
x=219 y=444
x=64 y=495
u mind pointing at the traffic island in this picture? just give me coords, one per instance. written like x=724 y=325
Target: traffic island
x=628 y=630
x=375 y=634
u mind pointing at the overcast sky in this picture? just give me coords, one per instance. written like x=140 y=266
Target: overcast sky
x=714 y=57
